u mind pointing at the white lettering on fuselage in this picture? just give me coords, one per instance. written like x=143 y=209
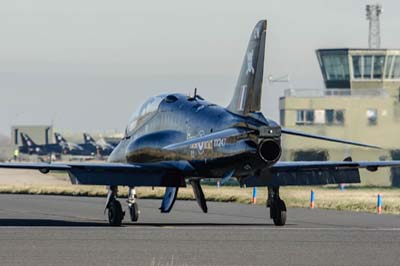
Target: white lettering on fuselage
x=208 y=145
x=219 y=143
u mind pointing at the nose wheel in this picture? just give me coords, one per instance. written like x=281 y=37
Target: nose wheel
x=132 y=204
x=277 y=207
x=134 y=212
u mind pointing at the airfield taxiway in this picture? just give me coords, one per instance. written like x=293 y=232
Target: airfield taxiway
x=57 y=230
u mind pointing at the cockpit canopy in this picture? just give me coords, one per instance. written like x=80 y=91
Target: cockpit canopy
x=145 y=112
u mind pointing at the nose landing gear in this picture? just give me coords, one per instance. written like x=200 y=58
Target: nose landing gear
x=113 y=206
x=132 y=204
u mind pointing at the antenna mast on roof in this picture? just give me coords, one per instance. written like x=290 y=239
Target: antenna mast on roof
x=373 y=13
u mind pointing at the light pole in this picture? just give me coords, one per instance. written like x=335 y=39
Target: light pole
x=374 y=37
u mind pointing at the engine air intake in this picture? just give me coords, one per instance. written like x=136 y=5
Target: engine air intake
x=269 y=151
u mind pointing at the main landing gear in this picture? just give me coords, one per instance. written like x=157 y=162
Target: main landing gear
x=115 y=213
x=114 y=208
x=277 y=207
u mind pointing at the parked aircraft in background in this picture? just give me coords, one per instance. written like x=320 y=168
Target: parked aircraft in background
x=73 y=148
x=62 y=146
x=30 y=147
x=102 y=147
x=174 y=138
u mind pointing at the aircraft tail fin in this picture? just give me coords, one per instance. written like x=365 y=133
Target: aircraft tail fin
x=26 y=140
x=247 y=96
x=88 y=139
x=59 y=139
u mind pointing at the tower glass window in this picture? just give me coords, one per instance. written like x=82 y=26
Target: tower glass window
x=389 y=66
x=378 y=66
x=367 y=66
x=335 y=69
x=336 y=66
x=396 y=68
x=357 y=66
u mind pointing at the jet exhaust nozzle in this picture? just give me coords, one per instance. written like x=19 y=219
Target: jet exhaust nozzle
x=270 y=151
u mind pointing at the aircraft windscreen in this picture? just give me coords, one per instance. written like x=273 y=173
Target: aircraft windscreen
x=144 y=112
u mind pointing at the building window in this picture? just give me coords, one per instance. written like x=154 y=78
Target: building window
x=282 y=117
x=372 y=116
x=339 y=116
x=311 y=155
x=320 y=117
x=334 y=117
x=305 y=117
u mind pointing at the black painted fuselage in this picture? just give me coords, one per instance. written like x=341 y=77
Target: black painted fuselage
x=177 y=118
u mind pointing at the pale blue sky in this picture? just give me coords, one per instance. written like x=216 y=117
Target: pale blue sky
x=88 y=64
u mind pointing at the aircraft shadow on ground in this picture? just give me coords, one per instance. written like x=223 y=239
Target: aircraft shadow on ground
x=61 y=223
x=50 y=223
x=199 y=224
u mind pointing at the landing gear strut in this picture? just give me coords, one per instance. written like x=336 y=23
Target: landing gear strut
x=277 y=207
x=132 y=204
x=115 y=213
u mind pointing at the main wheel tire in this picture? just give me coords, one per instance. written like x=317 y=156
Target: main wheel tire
x=134 y=212
x=115 y=213
x=278 y=212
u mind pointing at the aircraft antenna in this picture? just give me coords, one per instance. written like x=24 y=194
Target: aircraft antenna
x=373 y=13
x=195 y=93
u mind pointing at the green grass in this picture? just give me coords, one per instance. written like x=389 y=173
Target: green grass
x=355 y=198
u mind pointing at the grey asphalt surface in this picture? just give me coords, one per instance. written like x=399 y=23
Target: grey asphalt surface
x=55 y=230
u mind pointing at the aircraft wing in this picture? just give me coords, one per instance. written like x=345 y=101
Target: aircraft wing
x=313 y=173
x=314 y=136
x=173 y=174
x=117 y=174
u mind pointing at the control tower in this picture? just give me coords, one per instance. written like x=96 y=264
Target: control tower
x=360 y=68
x=360 y=102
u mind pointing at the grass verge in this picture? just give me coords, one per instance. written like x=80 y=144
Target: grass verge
x=352 y=198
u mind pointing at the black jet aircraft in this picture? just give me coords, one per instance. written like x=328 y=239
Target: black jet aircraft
x=73 y=148
x=30 y=147
x=174 y=139
x=104 y=148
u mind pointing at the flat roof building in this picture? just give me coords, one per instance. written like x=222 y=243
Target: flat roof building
x=40 y=134
x=360 y=102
